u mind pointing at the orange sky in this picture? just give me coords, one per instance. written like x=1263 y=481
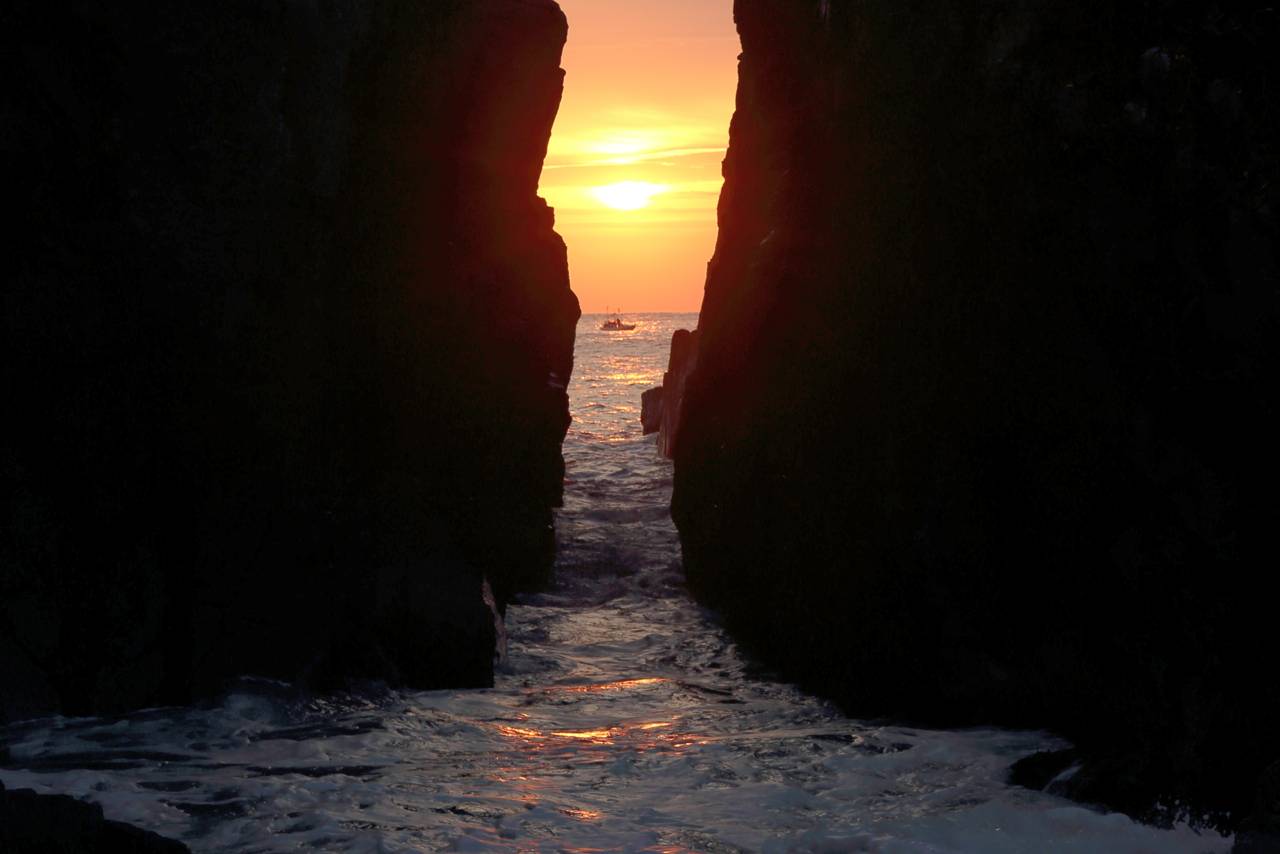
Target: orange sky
x=648 y=96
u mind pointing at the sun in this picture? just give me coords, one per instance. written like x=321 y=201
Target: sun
x=627 y=195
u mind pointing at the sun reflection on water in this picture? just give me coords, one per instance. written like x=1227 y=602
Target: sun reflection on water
x=638 y=735
x=617 y=685
x=634 y=377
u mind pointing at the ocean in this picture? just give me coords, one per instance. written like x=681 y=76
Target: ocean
x=623 y=719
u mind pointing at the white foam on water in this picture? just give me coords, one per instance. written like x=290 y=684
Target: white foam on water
x=623 y=719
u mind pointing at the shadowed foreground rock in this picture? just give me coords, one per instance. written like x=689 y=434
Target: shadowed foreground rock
x=982 y=428
x=1260 y=832
x=59 y=824
x=280 y=314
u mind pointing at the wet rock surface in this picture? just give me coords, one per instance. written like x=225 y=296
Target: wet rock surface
x=279 y=321
x=983 y=411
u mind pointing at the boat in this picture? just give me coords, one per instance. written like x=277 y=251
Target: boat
x=615 y=324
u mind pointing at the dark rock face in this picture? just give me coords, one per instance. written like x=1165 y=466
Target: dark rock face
x=680 y=365
x=280 y=314
x=59 y=824
x=984 y=410
x=651 y=410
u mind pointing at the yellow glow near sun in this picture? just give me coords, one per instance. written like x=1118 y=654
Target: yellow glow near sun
x=633 y=168
x=622 y=143
x=627 y=195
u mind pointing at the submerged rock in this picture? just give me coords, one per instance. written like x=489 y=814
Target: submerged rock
x=983 y=417
x=280 y=314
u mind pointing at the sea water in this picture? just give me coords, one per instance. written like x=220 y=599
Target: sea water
x=623 y=719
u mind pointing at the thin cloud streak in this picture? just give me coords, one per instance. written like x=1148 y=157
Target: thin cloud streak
x=669 y=154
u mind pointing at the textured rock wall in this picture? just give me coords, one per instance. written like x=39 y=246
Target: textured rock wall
x=983 y=417
x=280 y=315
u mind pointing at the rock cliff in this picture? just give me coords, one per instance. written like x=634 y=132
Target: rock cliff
x=284 y=318
x=983 y=415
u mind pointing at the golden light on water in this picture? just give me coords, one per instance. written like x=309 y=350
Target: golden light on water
x=617 y=685
x=639 y=735
x=602 y=736
x=519 y=732
x=537 y=752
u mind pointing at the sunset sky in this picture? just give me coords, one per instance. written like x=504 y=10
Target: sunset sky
x=634 y=166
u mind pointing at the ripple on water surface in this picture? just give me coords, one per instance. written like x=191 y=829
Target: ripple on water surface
x=623 y=719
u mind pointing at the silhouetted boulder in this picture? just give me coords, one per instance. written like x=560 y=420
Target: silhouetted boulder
x=280 y=311
x=984 y=413
x=31 y=823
